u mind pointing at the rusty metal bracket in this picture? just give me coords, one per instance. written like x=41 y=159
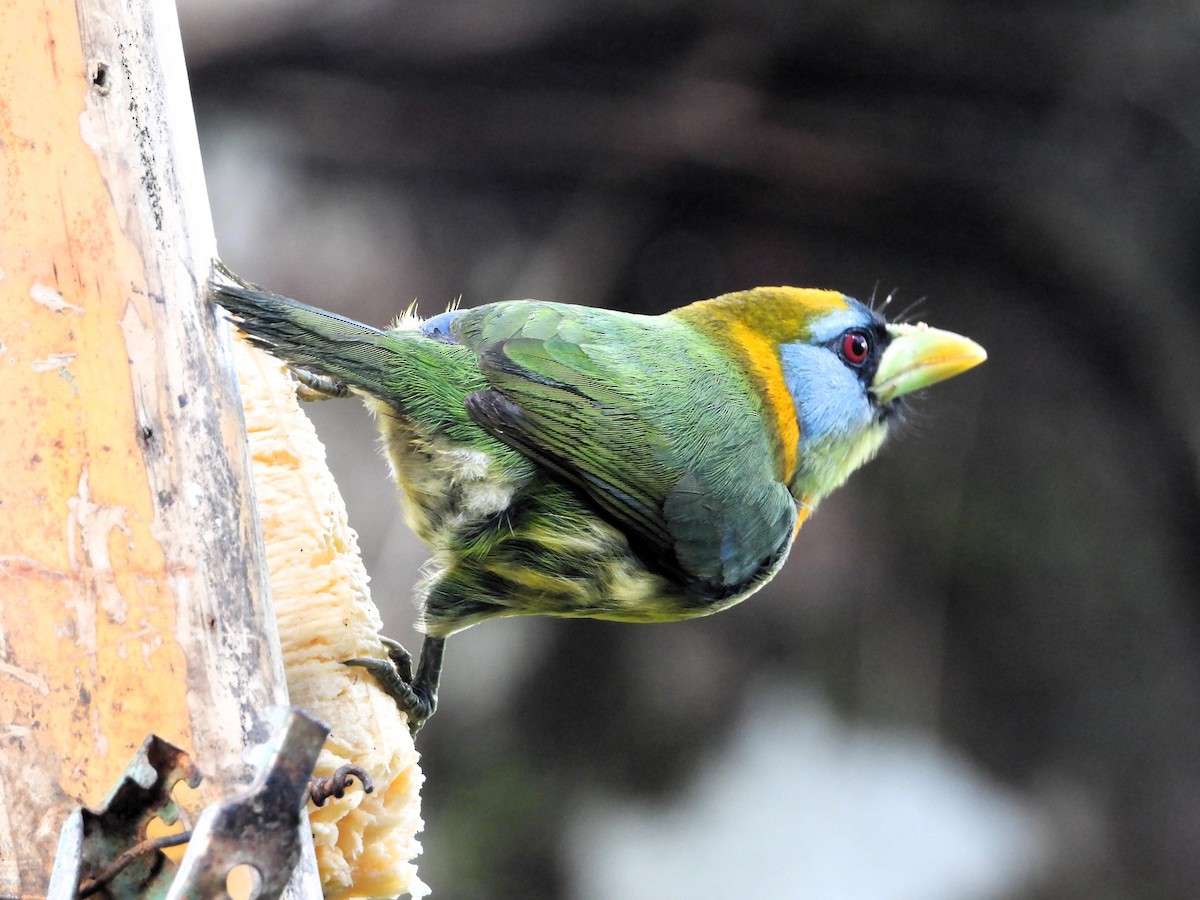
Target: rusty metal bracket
x=91 y=839
x=105 y=851
x=259 y=828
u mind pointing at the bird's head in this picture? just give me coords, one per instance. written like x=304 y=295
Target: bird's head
x=832 y=373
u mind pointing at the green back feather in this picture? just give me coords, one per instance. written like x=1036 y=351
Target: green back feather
x=651 y=421
x=646 y=417
x=423 y=380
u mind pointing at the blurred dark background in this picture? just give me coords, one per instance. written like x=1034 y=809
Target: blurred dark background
x=978 y=675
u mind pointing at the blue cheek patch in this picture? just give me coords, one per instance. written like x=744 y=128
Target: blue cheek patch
x=438 y=327
x=829 y=398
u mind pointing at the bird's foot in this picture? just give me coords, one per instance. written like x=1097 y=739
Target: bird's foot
x=415 y=693
x=313 y=387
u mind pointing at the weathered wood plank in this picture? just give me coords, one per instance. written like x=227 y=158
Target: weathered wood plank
x=133 y=595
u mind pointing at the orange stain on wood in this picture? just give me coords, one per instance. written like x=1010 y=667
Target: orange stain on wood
x=90 y=665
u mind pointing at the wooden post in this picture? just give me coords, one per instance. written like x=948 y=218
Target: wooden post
x=133 y=595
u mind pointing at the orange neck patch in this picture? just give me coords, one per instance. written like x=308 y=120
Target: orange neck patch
x=751 y=325
x=760 y=356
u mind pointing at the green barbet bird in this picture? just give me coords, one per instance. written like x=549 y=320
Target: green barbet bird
x=566 y=461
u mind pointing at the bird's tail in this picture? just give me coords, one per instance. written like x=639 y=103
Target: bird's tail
x=349 y=352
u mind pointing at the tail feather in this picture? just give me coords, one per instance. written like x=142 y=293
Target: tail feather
x=313 y=339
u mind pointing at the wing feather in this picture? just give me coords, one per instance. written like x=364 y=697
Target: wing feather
x=650 y=422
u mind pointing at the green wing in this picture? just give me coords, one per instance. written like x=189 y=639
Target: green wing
x=650 y=421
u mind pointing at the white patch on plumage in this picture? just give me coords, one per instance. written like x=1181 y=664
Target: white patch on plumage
x=427 y=577
x=483 y=494
x=439 y=482
x=470 y=465
x=408 y=320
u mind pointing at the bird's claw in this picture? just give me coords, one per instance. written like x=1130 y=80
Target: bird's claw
x=416 y=697
x=312 y=387
x=400 y=658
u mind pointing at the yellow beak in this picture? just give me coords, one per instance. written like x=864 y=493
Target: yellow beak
x=919 y=356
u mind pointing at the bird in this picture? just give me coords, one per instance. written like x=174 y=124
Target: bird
x=572 y=461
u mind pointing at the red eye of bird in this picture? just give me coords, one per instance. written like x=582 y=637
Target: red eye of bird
x=856 y=347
